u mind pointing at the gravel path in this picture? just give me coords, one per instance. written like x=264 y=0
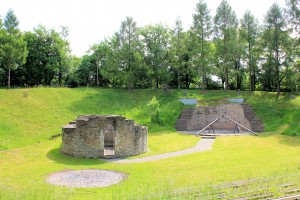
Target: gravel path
x=85 y=178
x=205 y=144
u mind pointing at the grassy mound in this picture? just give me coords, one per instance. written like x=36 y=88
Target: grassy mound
x=29 y=116
x=32 y=115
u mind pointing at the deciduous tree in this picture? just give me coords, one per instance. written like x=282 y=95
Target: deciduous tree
x=48 y=56
x=156 y=40
x=13 y=47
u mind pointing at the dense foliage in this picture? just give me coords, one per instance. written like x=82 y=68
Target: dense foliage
x=243 y=54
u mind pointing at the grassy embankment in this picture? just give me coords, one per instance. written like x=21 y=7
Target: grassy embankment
x=29 y=118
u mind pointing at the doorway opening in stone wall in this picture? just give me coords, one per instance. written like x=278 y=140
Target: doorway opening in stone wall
x=109 y=141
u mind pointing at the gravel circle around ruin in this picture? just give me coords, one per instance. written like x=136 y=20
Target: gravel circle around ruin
x=89 y=178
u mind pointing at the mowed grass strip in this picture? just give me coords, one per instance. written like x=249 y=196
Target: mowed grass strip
x=23 y=171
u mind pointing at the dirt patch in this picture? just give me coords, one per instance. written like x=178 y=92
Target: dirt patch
x=89 y=178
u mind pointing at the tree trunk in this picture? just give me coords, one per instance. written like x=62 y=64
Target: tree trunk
x=202 y=58
x=239 y=82
x=97 y=72
x=178 y=79
x=8 y=82
x=250 y=68
x=203 y=80
x=277 y=63
x=59 y=79
x=46 y=78
x=187 y=81
x=253 y=81
x=277 y=81
x=226 y=79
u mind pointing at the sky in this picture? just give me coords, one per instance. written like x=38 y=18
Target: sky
x=91 y=21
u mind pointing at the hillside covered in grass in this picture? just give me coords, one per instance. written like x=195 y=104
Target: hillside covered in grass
x=32 y=115
x=266 y=164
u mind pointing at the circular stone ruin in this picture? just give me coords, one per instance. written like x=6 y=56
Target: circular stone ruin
x=103 y=136
x=89 y=178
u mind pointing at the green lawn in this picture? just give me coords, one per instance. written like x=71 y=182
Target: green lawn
x=23 y=170
x=27 y=157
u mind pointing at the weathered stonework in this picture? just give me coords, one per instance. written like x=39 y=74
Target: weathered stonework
x=100 y=136
x=199 y=117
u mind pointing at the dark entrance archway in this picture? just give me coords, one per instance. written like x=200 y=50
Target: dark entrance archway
x=109 y=140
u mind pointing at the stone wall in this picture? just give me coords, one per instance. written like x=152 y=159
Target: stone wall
x=86 y=137
x=199 y=117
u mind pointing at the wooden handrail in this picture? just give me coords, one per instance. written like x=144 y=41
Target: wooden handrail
x=240 y=125
x=197 y=134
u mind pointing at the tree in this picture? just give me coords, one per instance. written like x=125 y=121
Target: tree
x=111 y=69
x=249 y=36
x=202 y=30
x=11 y=22
x=177 y=49
x=294 y=19
x=48 y=56
x=156 y=40
x=64 y=54
x=86 y=71
x=100 y=53
x=13 y=49
x=1 y=25
x=72 y=79
x=32 y=70
x=128 y=53
x=294 y=14
x=275 y=38
x=225 y=34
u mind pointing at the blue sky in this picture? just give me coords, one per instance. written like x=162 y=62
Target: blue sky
x=90 y=21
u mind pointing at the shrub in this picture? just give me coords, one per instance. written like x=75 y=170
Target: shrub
x=153 y=106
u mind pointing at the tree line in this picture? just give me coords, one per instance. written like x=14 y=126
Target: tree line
x=242 y=53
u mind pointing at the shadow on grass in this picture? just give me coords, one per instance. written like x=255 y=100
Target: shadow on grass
x=58 y=157
x=290 y=141
x=131 y=104
x=128 y=103
x=293 y=141
x=277 y=113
